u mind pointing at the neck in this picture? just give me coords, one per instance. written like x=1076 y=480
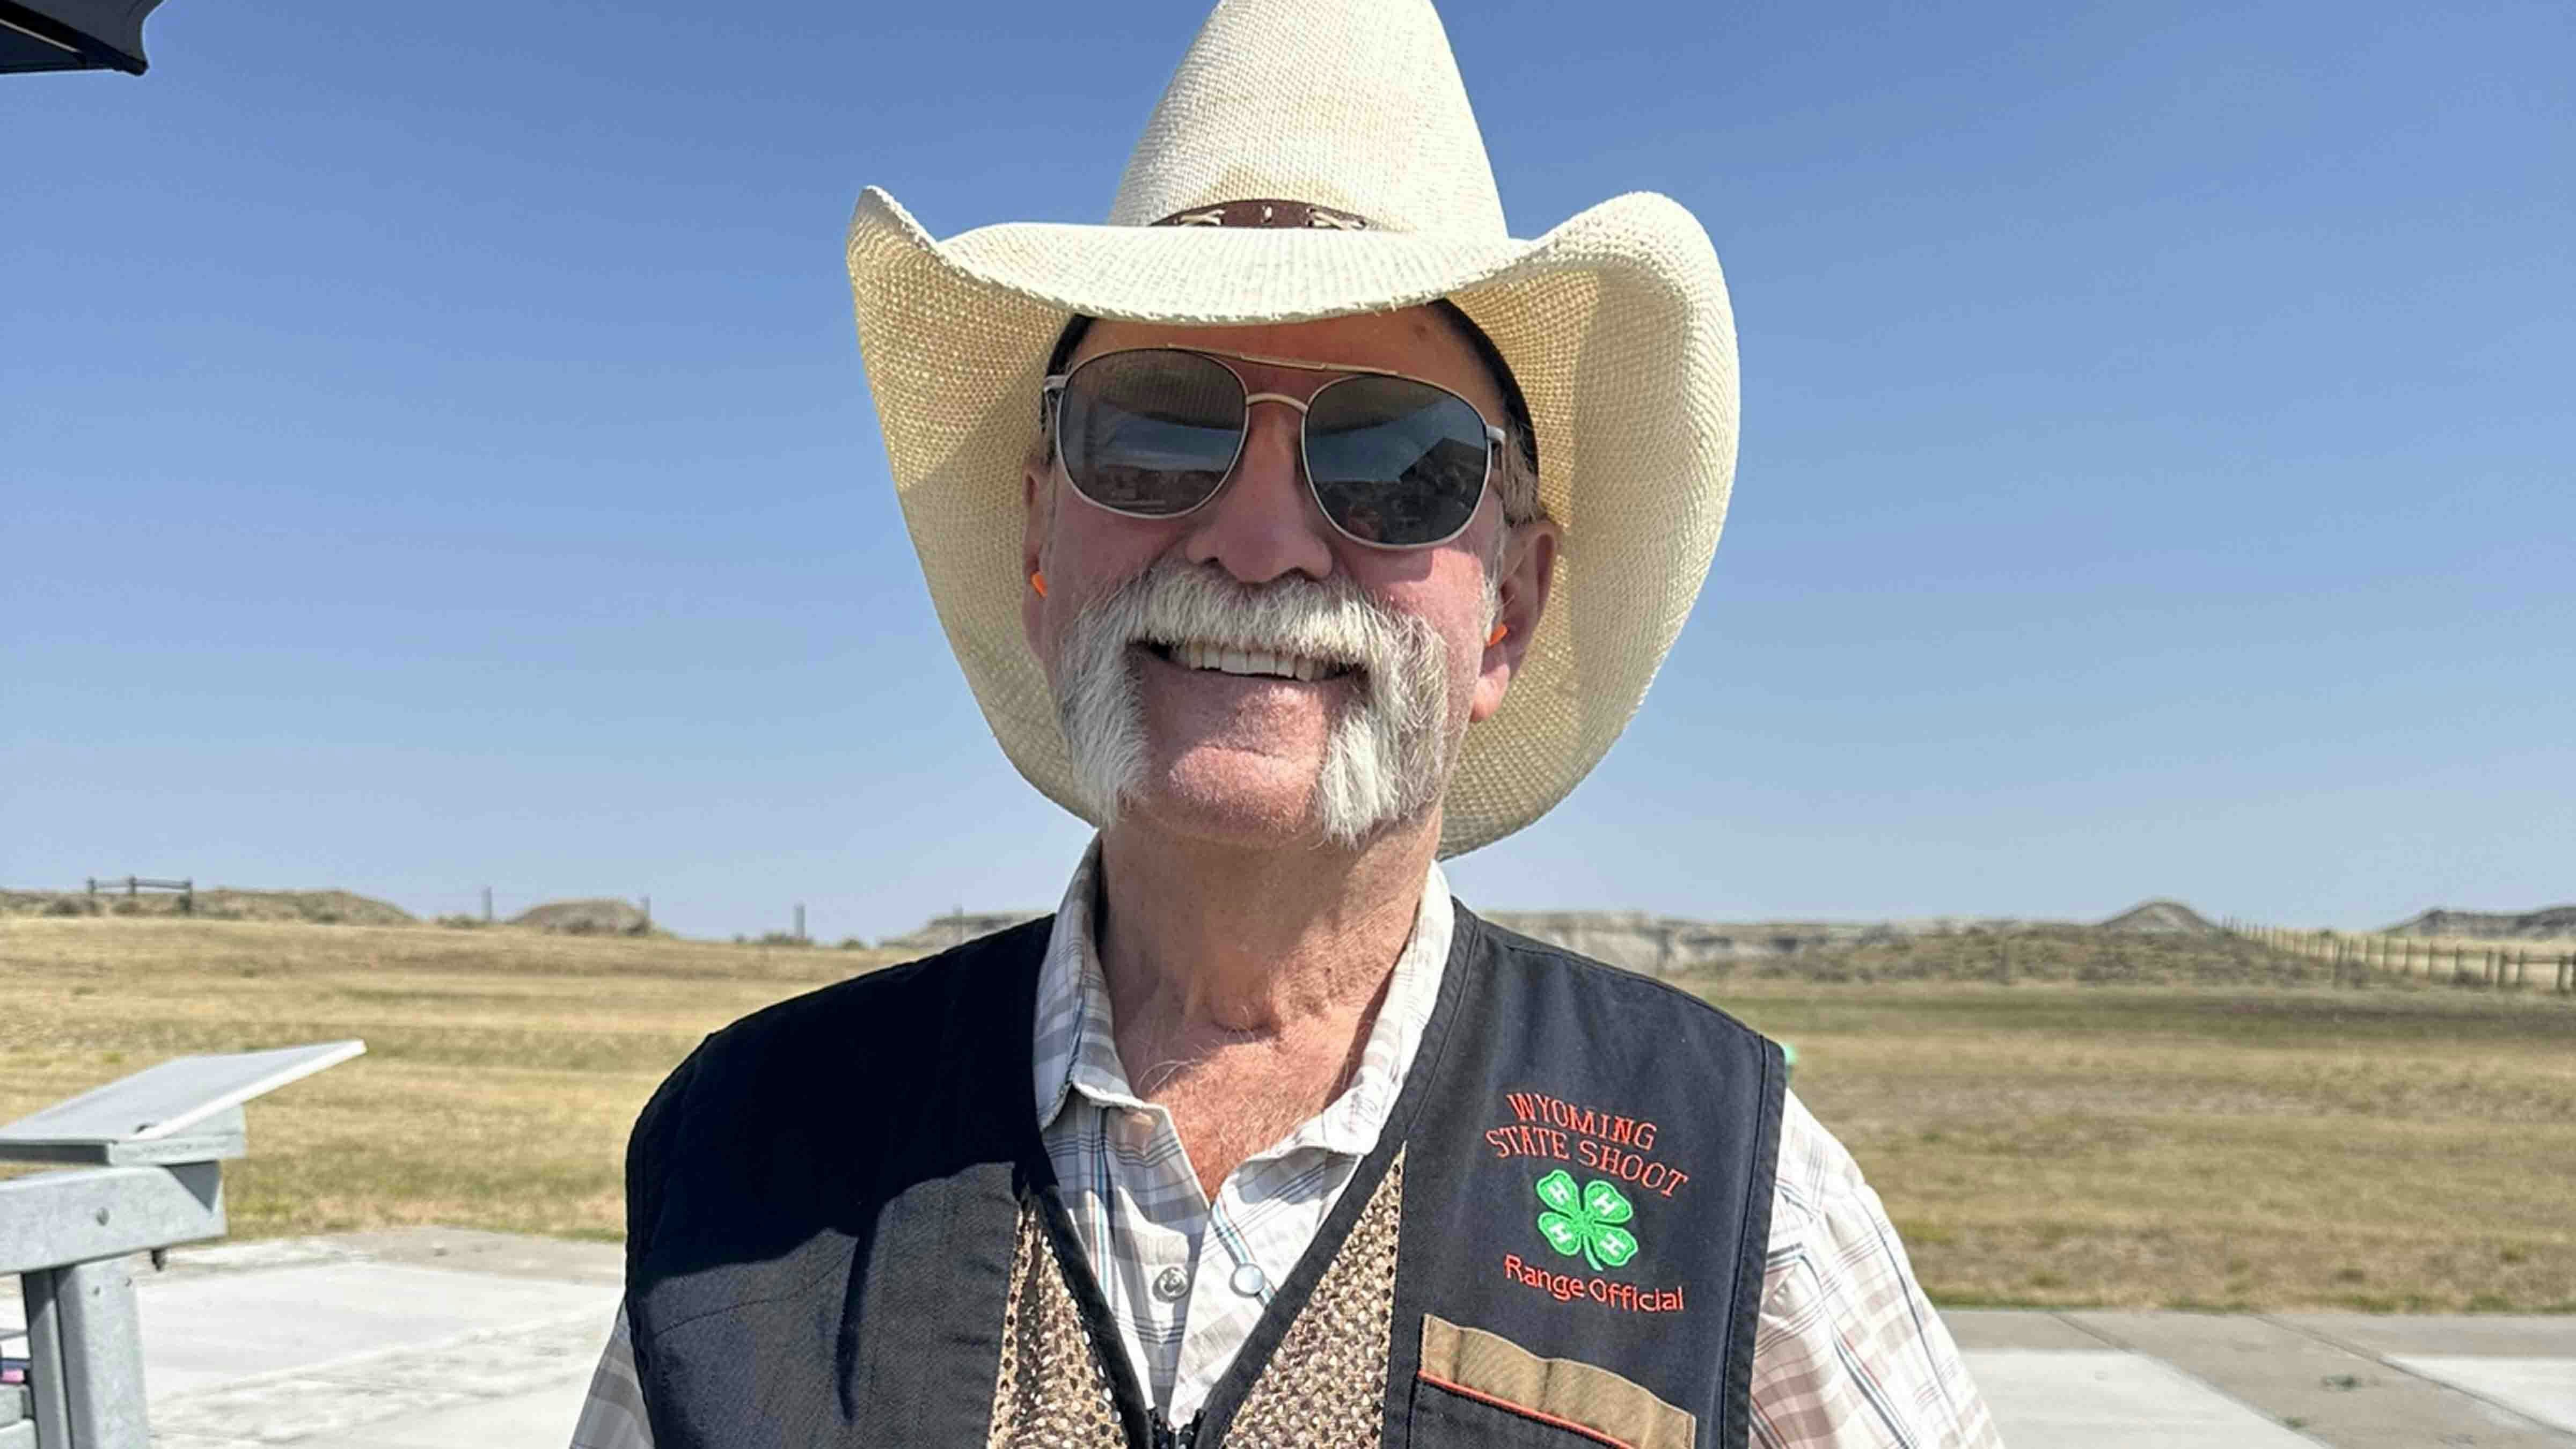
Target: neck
x=1205 y=945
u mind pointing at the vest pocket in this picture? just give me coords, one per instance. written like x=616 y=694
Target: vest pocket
x=1448 y=1417
x=1476 y=1387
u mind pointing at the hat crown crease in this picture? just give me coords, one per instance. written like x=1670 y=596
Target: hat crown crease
x=1351 y=104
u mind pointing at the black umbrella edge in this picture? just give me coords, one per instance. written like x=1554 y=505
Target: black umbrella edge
x=80 y=51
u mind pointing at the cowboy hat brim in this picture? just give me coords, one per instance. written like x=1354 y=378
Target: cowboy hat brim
x=1616 y=326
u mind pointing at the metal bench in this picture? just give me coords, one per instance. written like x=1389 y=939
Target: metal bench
x=145 y=1156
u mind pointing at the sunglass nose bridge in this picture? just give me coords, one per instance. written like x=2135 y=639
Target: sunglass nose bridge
x=1278 y=397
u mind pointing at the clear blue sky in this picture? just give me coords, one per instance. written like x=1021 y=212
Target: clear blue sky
x=434 y=452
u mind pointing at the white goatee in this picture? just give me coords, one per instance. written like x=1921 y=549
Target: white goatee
x=1386 y=756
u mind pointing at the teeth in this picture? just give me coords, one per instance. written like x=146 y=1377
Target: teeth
x=1195 y=655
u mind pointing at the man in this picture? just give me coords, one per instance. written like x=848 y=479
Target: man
x=1297 y=528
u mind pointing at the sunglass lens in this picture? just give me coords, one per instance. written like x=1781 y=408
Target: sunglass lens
x=1395 y=462
x=1150 y=432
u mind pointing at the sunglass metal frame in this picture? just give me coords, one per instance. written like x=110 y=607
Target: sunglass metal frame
x=1051 y=390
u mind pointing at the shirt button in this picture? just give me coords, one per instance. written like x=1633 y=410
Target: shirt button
x=1248 y=1281
x=1171 y=1284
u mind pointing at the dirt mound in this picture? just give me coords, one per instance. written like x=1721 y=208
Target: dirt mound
x=2537 y=925
x=955 y=929
x=220 y=903
x=604 y=916
x=2160 y=918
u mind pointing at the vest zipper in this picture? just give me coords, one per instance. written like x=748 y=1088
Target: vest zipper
x=1166 y=1437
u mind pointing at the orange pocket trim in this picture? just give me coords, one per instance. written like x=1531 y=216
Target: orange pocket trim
x=1524 y=1410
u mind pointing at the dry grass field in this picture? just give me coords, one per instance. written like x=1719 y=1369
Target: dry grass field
x=503 y=1067
x=2254 y=1143
x=2388 y=1149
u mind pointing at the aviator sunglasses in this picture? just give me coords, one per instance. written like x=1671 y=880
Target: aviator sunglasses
x=1154 y=432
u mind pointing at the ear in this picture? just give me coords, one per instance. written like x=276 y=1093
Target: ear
x=1037 y=509
x=1527 y=568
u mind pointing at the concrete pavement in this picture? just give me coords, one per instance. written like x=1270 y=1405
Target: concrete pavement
x=2353 y=1381
x=441 y=1337
x=401 y=1340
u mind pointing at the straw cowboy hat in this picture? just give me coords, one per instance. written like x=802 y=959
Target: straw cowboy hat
x=1349 y=117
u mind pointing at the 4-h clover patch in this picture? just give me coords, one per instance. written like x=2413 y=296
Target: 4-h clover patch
x=1586 y=1222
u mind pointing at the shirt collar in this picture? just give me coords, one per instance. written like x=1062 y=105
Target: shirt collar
x=1077 y=1047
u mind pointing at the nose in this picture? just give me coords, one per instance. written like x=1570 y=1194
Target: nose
x=1264 y=523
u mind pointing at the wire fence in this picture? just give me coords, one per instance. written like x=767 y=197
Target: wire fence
x=2359 y=956
x=135 y=884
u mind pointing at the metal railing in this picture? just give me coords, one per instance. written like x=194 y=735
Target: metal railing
x=146 y=1155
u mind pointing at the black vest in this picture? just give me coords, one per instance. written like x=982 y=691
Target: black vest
x=822 y=1202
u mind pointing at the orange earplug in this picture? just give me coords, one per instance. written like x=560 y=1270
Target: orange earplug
x=1037 y=581
x=1501 y=632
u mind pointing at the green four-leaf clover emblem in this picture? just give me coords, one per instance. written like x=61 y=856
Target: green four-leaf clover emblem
x=1586 y=1222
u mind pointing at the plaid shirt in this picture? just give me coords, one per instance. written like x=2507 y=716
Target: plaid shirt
x=1847 y=1354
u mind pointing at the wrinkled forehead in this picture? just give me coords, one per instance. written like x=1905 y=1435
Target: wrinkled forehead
x=1424 y=342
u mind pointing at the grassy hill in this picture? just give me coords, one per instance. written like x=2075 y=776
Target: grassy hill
x=218 y=903
x=2088 y=955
